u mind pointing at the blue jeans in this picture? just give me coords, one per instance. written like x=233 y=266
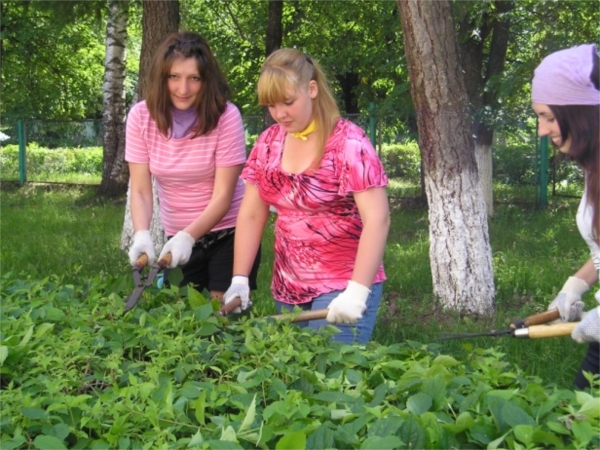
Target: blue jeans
x=360 y=331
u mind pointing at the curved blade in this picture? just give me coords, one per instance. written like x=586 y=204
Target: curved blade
x=133 y=298
x=474 y=335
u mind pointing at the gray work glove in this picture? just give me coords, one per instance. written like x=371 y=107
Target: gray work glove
x=180 y=247
x=588 y=330
x=349 y=306
x=239 y=288
x=142 y=243
x=568 y=301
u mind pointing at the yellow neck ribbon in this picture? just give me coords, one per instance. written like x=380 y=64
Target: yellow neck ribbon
x=312 y=127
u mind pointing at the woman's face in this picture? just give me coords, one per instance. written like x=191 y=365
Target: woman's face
x=295 y=112
x=548 y=126
x=184 y=83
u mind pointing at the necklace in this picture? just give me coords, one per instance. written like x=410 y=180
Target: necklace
x=312 y=127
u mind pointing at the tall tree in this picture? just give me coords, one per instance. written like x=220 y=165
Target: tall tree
x=460 y=253
x=114 y=169
x=159 y=19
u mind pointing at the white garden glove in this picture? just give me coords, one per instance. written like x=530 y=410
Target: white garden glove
x=180 y=247
x=142 y=243
x=588 y=330
x=349 y=306
x=568 y=301
x=239 y=288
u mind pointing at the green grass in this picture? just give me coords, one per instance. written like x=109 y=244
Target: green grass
x=53 y=230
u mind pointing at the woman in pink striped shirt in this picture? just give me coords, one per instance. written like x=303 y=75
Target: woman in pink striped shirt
x=190 y=138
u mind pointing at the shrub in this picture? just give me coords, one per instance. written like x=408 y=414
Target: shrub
x=41 y=161
x=402 y=160
x=78 y=373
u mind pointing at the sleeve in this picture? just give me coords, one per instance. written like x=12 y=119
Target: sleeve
x=136 y=149
x=361 y=167
x=231 y=143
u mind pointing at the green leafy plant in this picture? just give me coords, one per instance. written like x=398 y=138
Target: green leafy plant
x=79 y=373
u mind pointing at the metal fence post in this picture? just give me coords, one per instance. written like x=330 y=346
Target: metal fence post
x=372 y=125
x=543 y=198
x=22 y=147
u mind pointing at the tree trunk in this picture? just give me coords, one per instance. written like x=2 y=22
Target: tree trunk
x=159 y=19
x=114 y=169
x=272 y=42
x=479 y=72
x=460 y=252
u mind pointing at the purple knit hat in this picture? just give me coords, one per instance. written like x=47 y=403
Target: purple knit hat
x=563 y=78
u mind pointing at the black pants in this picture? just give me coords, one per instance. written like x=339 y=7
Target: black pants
x=591 y=363
x=211 y=263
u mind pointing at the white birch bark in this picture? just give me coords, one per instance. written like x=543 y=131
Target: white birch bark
x=114 y=171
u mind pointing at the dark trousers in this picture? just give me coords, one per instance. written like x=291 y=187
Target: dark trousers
x=591 y=363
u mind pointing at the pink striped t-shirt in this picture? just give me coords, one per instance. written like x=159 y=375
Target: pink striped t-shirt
x=184 y=169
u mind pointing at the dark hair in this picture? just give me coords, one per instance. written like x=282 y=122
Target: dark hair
x=214 y=90
x=582 y=124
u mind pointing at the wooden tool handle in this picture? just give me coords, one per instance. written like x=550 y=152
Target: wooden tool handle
x=537 y=319
x=546 y=331
x=303 y=316
x=229 y=307
x=165 y=260
x=141 y=262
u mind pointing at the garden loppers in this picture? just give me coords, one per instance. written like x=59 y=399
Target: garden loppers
x=532 y=327
x=294 y=317
x=142 y=282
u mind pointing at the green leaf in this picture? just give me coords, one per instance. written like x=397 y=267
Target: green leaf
x=381 y=443
x=419 y=403
x=196 y=440
x=524 y=433
x=295 y=440
x=250 y=415
x=26 y=337
x=229 y=435
x=386 y=426
x=496 y=442
x=412 y=434
x=44 y=442
x=199 y=407
x=591 y=407
x=3 y=354
x=196 y=299
x=223 y=445
x=514 y=415
x=33 y=413
x=42 y=329
x=584 y=432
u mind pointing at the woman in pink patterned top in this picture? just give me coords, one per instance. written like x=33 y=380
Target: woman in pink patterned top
x=328 y=186
x=190 y=139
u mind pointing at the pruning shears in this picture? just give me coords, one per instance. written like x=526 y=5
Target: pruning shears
x=532 y=327
x=140 y=281
x=293 y=317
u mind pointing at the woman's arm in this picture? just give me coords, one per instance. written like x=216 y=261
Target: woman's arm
x=374 y=211
x=226 y=179
x=250 y=224
x=588 y=273
x=140 y=196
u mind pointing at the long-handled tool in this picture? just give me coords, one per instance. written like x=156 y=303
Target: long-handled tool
x=293 y=317
x=142 y=282
x=532 y=327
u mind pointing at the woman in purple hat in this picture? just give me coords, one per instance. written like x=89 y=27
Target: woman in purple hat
x=566 y=98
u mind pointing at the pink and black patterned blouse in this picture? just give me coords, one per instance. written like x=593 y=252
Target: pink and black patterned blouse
x=318 y=225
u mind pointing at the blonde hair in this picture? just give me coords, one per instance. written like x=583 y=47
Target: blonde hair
x=290 y=68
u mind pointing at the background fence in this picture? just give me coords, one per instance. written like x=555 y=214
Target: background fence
x=525 y=166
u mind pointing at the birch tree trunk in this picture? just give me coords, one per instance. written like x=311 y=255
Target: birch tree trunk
x=159 y=18
x=460 y=252
x=114 y=169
